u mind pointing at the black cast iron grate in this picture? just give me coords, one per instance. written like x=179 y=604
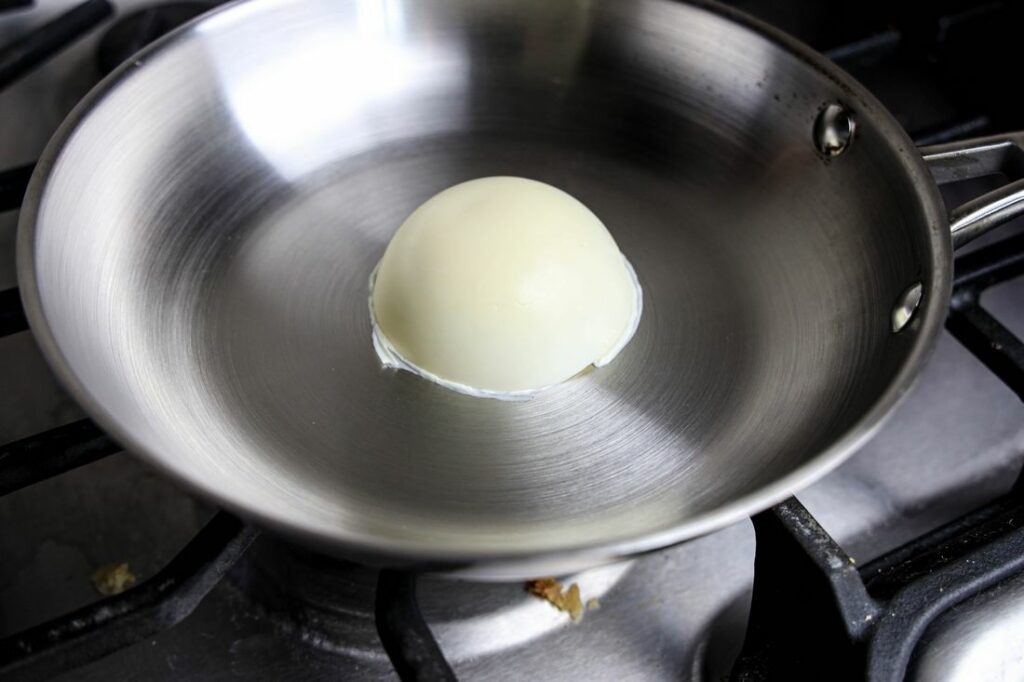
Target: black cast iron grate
x=860 y=621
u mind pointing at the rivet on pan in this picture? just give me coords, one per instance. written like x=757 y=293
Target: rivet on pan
x=906 y=304
x=833 y=130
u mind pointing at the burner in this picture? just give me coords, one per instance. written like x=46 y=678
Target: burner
x=134 y=31
x=335 y=606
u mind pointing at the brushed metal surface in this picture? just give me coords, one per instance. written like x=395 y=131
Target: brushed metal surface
x=980 y=639
x=195 y=250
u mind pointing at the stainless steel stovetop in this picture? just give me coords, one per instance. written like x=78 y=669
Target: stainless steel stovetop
x=956 y=442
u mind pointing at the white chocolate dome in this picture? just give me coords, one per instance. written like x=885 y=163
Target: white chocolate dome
x=500 y=287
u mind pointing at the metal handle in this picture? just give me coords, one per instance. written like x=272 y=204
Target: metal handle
x=975 y=158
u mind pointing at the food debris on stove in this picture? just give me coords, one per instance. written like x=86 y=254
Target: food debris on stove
x=111 y=579
x=567 y=600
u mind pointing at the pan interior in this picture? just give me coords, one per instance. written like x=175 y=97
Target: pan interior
x=204 y=242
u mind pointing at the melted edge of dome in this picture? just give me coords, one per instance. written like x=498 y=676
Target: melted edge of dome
x=390 y=357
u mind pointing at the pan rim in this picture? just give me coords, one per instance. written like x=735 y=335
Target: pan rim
x=426 y=554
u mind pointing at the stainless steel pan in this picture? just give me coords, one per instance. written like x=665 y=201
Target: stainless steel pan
x=195 y=248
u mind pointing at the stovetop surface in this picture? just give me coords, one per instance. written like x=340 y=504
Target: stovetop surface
x=956 y=442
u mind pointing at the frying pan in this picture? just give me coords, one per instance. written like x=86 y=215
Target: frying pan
x=196 y=244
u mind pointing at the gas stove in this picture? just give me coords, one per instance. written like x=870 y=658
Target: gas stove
x=906 y=562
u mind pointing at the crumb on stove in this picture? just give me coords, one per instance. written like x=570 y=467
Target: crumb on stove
x=593 y=603
x=562 y=599
x=112 y=579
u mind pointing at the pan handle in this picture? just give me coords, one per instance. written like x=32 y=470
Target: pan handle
x=974 y=158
